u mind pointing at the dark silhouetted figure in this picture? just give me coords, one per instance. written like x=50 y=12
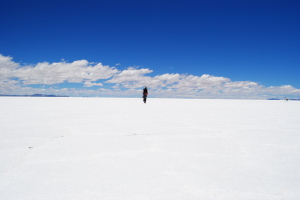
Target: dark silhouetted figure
x=145 y=93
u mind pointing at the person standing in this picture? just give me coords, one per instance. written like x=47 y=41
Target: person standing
x=145 y=93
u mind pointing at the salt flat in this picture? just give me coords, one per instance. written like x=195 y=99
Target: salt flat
x=168 y=149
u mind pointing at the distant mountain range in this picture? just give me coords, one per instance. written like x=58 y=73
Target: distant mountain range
x=288 y=99
x=34 y=95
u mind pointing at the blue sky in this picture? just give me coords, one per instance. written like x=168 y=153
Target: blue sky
x=198 y=49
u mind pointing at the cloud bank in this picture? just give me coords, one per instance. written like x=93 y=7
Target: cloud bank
x=96 y=79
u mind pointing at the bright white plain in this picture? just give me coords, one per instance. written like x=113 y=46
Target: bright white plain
x=167 y=149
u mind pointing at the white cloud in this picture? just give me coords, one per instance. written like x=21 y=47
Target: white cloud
x=9 y=86
x=132 y=78
x=135 y=78
x=16 y=79
x=166 y=79
x=130 y=75
x=90 y=84
x=199 y=82
x=76 y=72
x=241 y=84
x=244 y=89
x=7 y=63
x=281 y=90
x=205 y=86
x=7 y=67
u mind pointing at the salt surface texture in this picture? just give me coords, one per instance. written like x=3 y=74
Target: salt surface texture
x=167 y=149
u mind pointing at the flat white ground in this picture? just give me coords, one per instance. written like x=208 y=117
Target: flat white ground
x=168 y=149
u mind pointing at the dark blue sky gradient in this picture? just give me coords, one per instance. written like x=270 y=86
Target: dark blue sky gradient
x=255 y=40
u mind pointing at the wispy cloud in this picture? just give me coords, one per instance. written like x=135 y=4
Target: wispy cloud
x=16 y=78
x=90 y=84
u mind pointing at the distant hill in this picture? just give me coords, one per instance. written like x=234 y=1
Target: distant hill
x=273 y=99
x=288 y=99
x=34 y=95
